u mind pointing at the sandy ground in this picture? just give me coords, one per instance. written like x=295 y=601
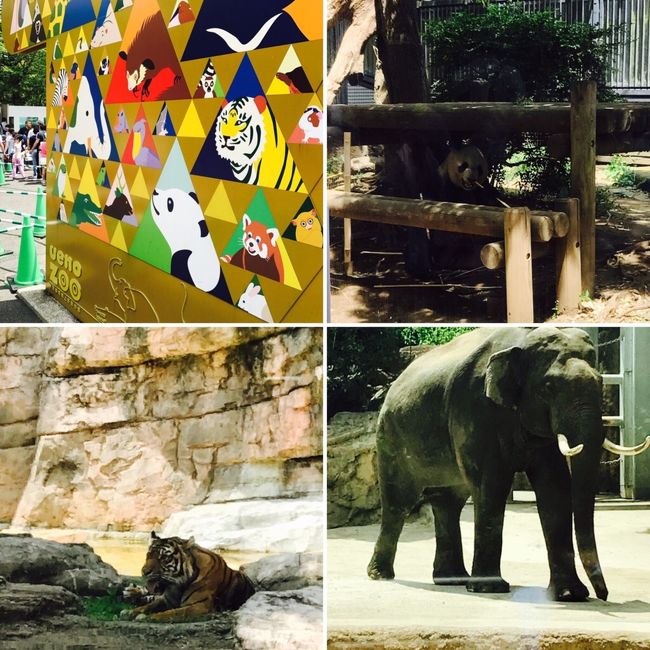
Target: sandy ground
x=411 y=612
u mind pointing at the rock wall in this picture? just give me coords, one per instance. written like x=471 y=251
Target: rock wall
x=135 y=424
x=352 y=483
x=21 y=366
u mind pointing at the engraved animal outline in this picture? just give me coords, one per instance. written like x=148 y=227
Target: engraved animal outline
x=125 y=297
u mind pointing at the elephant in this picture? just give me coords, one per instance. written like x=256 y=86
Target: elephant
x=463 y=418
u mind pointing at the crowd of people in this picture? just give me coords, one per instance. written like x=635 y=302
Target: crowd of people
x=26 y=146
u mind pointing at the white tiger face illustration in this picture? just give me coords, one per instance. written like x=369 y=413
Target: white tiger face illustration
x=240 y=134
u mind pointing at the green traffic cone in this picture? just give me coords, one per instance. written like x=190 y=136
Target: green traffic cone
x=8 y=168
x=39 y=226
x=2 y=175
x=28 y=272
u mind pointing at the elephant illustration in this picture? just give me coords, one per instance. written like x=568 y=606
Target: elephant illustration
x=463 y=418
x=84 y=136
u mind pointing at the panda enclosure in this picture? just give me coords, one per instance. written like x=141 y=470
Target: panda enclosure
x=581 y=129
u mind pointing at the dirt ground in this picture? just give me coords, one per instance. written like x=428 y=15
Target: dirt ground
x=411 y=612
x=81 y=633
x=379 y=289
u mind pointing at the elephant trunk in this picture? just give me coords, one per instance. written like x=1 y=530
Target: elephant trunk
x=584 y=470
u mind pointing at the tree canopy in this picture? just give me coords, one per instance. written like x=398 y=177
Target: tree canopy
x=22 y=77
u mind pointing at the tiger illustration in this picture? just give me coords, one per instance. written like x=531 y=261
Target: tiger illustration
x=248 y=137
x=188 y=581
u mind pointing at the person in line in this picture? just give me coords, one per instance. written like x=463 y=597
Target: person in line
x=18 y=159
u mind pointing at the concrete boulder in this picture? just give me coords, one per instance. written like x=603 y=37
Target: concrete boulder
x=284 y=620
x=286 y=571
x=269 y=526
x=24 y=559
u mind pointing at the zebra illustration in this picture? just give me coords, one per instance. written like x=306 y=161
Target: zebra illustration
x=61 y=88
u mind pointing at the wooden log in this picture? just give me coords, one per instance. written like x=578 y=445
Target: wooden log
x=567 y=259
x=449 y=217
x=583 y=174
x=493 y=255
x=347 y=184
x=519 y=265
x=387 y=122
x=559 y=145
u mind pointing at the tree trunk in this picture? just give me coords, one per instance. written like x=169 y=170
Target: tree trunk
x=349 y=58
x=400 y=51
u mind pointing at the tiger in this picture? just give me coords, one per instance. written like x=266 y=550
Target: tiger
x=248 y=137
x=188 y=581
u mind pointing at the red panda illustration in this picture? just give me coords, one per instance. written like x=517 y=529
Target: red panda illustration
x=260 y=253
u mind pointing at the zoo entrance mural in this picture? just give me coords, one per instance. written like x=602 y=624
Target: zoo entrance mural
x=185 y=174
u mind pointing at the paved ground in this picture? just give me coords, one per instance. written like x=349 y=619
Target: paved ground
x=13 y=310
x=411 y=612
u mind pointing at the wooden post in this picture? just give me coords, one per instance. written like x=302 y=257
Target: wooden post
x=583 y=174
x=519 y=266
x=347 y=185
x=567 y=259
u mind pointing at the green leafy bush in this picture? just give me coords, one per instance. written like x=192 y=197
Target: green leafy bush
x=620 y=173
x=548 y=53
x=518 y=56
x=363 y=362
x=431 y=335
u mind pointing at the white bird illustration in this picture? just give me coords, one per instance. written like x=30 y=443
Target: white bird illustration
x=236 y=45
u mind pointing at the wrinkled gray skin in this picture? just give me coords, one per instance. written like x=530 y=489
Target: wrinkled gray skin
x=462 y=419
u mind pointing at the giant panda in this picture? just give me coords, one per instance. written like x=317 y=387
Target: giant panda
x=180 y=219
x=460 y=178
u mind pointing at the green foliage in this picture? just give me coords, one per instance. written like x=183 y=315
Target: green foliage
x=528 y=56
x=363 y=362
x=620 y=173
x=22 y=77
x=549 y=54
x=539 y=175
x=105 y=608
x=431 y=335
x=605 y=203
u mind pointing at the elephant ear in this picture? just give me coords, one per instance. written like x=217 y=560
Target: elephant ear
x=503 y=377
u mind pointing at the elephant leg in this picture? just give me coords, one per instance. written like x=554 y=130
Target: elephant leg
x=398 y=496
x=550 y=478
x=489 y=508
x=448 y=565
x=381 y=563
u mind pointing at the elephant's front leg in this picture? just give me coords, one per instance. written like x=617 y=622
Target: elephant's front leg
x=447 y=504
x=490 y=497
x=550 y=478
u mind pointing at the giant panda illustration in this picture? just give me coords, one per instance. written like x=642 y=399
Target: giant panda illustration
x=180 y=219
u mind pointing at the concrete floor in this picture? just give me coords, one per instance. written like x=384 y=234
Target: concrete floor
x=13 y=310
x=411 y=612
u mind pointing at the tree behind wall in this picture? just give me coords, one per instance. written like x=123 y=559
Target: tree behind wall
x=22 y=77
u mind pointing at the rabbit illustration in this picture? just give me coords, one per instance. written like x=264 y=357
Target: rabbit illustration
x=255 y=303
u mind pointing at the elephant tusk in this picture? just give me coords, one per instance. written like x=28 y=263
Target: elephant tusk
x=563 y=444
x=626 y=451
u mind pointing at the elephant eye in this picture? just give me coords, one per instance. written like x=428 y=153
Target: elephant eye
x=170 y=205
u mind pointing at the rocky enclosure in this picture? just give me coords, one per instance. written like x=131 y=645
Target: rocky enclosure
x=119 y=428
x=214 y=433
